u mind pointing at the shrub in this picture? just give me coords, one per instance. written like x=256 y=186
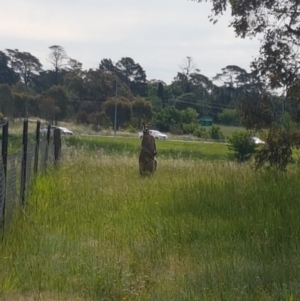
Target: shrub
x=189 y=128
x=99 y=120
x=82 y=117
x=277 y=152
x=216 y=133
x=176 y=129
x=241 y=145
x=201 y=132
x=228 y=117
x=131 y=129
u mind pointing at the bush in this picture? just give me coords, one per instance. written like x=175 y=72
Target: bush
x=82 y=117
x=99 y=120
x=241 y=145
x=176 y=129
x=201 y=132
x=216 y=133
x=131 y=129
x=228 y=117
x=189 y=128
x=277 y=152
x=287 y=122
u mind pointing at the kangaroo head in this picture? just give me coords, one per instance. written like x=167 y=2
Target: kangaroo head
x=145 y=129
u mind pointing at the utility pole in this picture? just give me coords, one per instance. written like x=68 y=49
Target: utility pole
x=116 y=108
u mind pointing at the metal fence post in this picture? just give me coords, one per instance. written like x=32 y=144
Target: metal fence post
x=37 y=147
x=57 y=144
x=24 y=161
x=4 y=161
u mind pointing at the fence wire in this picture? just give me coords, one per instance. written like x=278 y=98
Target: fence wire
x=42 y=156
x=2 y=193
x=13 y=183
x=29 y=164
x=11 y=188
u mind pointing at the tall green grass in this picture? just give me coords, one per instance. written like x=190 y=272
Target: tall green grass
x=93 y=230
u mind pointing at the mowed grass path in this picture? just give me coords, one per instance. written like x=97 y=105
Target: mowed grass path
x=195 y=231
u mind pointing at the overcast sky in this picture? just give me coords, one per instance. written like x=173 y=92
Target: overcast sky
x=157 y=34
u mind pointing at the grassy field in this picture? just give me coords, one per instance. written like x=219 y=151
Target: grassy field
x=130 y=147
x=197 y=230
x=86 y=129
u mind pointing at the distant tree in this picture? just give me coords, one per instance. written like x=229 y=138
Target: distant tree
x=99 y=120
x=101 y=85
x=33 y=105
x=7 y=74
x=61 y=98
x=187 y=100
x=74 y=67
x=42 y=81
x=124 y=110
x=228 y=117
x=90 y=107
x=133 y=75
x=236 y=83
x=107 y=65
x=6 y=100
x=189 y=115
x=167 y=117
x=25 y=64
x=182 y=82
x=142 y=110
x=256 y=112
x=58 y=59
x=48 y=109
x=82 y=117
x=156 y=103
x=231 y=76
x=20 y=104
x=160 y=90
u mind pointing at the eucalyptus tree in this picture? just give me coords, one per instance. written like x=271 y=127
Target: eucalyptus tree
x=7 y=74
x=58 y=58
x=24 y=64
x=133 y=75
x=183 y=81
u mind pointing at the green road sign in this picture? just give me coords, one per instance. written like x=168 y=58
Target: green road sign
x=206 y=121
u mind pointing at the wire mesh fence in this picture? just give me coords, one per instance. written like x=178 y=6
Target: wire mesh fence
x=20 y=166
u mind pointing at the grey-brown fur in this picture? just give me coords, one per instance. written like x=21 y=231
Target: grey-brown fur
x=147 y=160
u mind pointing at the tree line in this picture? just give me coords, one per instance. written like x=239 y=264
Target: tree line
x=66 y=91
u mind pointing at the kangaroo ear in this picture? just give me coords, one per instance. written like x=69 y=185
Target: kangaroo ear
x=143 y=124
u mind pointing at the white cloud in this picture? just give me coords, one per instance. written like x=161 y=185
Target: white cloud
x=158 y=34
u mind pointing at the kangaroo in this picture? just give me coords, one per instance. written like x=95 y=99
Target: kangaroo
x=147 y=160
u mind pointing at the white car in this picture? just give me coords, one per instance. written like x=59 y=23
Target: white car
x=44 y=129
x=257 y=141
x=63 y=130
x=156 y=134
